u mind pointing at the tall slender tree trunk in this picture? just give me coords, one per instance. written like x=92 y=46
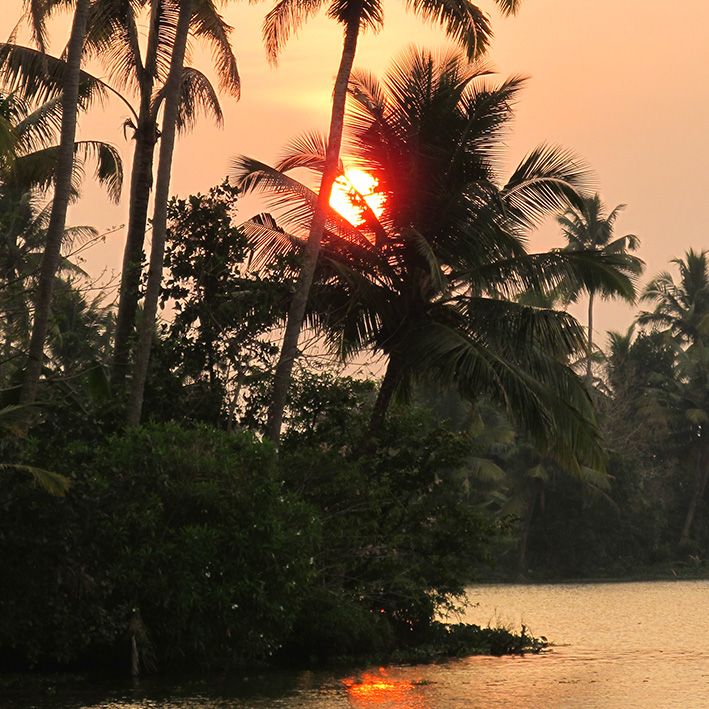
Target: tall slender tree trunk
x=391 y=380
x=146 y=137
x=162 y=195
x=589 y=347
x=702 y=478
x=60 y=203
x=141 y=180
x=296 y=311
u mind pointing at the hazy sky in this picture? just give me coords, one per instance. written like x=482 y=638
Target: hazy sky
x=624 y=83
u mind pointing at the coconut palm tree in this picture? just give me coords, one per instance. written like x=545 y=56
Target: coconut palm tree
x=689 y=398
x=79 y=330
x=162 y=194
x=26 y=175
x=587 y=226
x=681 y=308
x=20 y=258
x=115 y=40
x=463 y=21
x=39 y=11
x=113 y=37
x=431 y=282
x=31 y=163
x=682 y=312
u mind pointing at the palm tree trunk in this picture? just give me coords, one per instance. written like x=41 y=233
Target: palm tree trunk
x=589 y=350
x=141 y=180
x=296 y=311
x=60 y=203
x=146 y=137
x=391 y=380
x=700 y=488
x=162 y=195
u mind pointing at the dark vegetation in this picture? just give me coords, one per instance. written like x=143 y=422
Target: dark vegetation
x=191 y=537
x=201 y=490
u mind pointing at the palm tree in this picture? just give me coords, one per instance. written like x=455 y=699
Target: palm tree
x=113 y=37
x=689 y=397
x=682 y=309
x=522 y=490
x=463 y=21
x=80 y=328
x=115 y=40
x=162 y=194
x=682 y=312
x=588 y=227
x=62 y=184
x=26 y=174
x=431 y=283
x=20 y=257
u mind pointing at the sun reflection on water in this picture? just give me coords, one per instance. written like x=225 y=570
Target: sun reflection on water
x=383 y=690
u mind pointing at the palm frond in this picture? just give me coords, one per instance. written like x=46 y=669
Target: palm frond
x=268 y=240
x=434 y=268
x=36 y=170
x=197 y=96
x=545 y=397
x=549 y=179
x=306 y=150
x=166 y=16
x=78 y=235
x=553 y=271
x=515 y=328
x=39 y=128
x=109 y=166
x=113 y=37
x=39 y=77
x=284 y=20
x=53 y=483
x=208 y=24
x=463 y=21
x=294 y=202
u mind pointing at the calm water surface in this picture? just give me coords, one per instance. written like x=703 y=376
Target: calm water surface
x=616 y=645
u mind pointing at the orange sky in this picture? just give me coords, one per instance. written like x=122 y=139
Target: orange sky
x=624 y=83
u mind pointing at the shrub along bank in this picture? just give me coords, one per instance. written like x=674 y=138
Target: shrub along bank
x=190 y=546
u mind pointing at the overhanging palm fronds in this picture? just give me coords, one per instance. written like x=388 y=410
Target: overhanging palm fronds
x=35 y=170
x=436 y=294
x=53 y=483
x=548 y=179
x=209 y=25
x=38 y=77
x=197 y=96
x=13 y=420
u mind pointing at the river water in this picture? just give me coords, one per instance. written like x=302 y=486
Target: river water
x=615 y=645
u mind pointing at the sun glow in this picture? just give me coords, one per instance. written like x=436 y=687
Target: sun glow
x=381 y=689
x=349 y=189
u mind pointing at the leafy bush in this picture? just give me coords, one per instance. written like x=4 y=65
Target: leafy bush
x=400 y=536
x=183 y=538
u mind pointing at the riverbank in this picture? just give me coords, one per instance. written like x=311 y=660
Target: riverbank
x=632 y=644
x=443 y=642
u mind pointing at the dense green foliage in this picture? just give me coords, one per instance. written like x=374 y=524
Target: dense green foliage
x=139 y=547
x=207 y=550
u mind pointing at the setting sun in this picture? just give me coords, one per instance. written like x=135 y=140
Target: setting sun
x=348 y=187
